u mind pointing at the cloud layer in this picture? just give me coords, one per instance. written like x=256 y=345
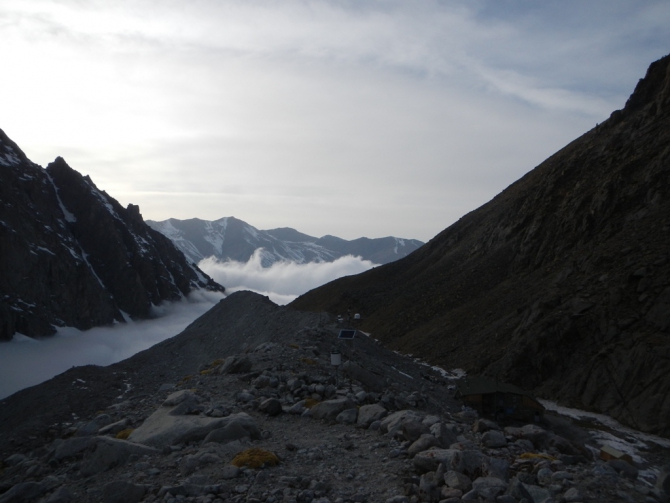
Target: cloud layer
x=25 y=362
x=283 y=281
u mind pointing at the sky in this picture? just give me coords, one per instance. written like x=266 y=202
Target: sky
x=344 y=117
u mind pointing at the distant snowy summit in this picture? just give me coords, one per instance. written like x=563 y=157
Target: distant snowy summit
x=232 y=239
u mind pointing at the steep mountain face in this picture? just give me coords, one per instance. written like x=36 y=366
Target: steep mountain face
x=560 y=284
x=70 y=255
x=232 y=239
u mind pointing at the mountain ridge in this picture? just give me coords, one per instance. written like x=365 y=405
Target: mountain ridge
x=229 y=238
x=559 y=284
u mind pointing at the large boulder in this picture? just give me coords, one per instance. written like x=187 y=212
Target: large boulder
x=331 y=408
x=238 y=428
x=423 y=443
x=368 y=414
x=393 y=422
x=163 y=429
x=236 y=364
x=494 y=439
x=457 y=480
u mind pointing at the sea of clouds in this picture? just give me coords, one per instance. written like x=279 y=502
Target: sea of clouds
x=283 y=281
x=26 y=362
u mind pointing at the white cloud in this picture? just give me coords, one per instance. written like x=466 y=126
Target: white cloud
x=26 y=362
x=283 y=281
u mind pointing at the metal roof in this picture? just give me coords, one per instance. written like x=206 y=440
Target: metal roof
x=613 y=452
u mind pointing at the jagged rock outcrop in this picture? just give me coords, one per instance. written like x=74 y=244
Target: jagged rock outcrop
x=71 y=255
x=560 y=284
x=229 y=238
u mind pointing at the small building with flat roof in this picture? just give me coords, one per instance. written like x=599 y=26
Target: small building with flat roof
x=607 y=452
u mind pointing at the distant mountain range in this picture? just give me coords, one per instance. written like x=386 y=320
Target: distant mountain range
x=229 y=238
x=560 y=284
x=71 y=255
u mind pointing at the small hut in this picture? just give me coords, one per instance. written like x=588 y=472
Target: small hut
x=607 y=452
x=499 y=400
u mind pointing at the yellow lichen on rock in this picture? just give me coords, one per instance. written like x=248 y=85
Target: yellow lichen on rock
x=255 y=458
x=124 y=434
x=211 y=367
x=184 y=380
x=311 y=402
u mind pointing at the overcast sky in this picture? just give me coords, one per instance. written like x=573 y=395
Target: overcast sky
x=349 y=118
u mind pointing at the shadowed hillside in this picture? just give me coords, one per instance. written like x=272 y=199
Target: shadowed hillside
x=71 y=255
x=560 y=284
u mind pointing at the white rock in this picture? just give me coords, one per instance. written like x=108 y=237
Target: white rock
x=162 y=429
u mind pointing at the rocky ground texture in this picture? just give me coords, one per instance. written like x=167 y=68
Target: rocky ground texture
x=245 y=406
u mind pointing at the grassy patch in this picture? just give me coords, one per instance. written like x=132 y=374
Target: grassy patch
x=255 y=458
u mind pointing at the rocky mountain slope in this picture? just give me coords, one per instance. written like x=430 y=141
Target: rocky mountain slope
x=560 y=284
x=71 y=255
x=232 y=239
x=210 y=416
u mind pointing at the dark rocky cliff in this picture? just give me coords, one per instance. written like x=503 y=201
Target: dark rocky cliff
x=71 y=255
x=560 y=284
